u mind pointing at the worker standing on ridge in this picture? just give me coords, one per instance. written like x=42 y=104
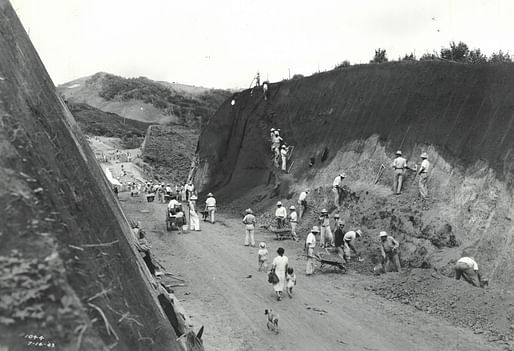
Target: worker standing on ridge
x=348 y=244
x=399 y=165
x=302 y=202
x=326 y=238
x=280 y=215
x=293 y=220
x=389 y=250
x=210 y=206
x=423 y=175
x=283 y=155
x=265 y=90
x=310 y=244
x=467 y=268
x=337 y=189
x=249 y=222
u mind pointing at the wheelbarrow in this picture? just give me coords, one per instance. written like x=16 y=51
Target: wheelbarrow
x=327 y=259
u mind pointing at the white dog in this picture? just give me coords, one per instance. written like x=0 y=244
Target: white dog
x=272 y=322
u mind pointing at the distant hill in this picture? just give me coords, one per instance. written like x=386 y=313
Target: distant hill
x=146 y=100
x=96 y=122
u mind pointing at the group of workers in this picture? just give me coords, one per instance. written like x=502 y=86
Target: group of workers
x=175 y=208
x=279 y=149
x=400 y=166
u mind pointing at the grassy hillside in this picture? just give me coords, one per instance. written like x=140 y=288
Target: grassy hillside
x=146 y=100
x=97 y=122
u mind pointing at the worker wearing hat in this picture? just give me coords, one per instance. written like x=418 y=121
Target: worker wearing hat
x=337 y=189
x=389 y=248
x=293 y=220
x=423 y=175
x=276 y=140
x=310 y=244
x=399 y=165
x=194 y=220
x=283 y=155
x=280 y=215
x=302 y=202
x=326 y=238
x=249 y=222
x=210 y=206
x=349 y=244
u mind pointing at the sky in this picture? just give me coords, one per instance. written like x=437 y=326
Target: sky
x=223 y=43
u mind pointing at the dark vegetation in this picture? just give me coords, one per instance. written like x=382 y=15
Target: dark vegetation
x=97 y=122
x=192 y=111
x=456 y=52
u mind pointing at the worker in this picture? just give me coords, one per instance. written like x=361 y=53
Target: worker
x=194 y=220
x=276 y=139
x=337 y=219
x=173 y=203
x=326 y=238
x=265 y=90
x=339 y=239
x=348 y=244
x=249 y=222
x=210 y=206
x=280 y=215
x=337 y=188
x=423 y=175
x=283 y=155
x=272 y=134
x=293 y=220
x=467 y=268
x=389 y=249
x=302 y=202
x=310 y=244
x=399 y=165
x=190 y=188
x=169 y=191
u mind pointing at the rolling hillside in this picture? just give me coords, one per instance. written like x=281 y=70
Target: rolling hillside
x=145 y=100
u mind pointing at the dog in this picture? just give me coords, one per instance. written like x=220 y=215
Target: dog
x=272 y=322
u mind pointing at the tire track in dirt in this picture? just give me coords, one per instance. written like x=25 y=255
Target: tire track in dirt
x=329 y=311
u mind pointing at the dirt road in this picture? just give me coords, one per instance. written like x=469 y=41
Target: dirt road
x=329 y=311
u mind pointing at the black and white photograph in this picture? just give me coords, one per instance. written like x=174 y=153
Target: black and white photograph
x=237 y=175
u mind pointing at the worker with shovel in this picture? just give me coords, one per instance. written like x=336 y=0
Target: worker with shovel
x=467 y=268
x=302 y=202
x=349 y=244
x=389 y=249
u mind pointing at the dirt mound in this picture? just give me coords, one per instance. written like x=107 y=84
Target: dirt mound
x=69 y=270
x=431 y=292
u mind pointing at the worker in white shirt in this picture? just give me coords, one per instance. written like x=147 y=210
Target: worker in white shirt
x=280 y=215
x=349 y=244
x=249 y=222
x=272 y=134
x=293 y=220
x=283 y=155
x=302 y=202
x=276 y=140
x=173 y=203
x=423 y=175
x=326 y=238
x=389 y=248
x=310 y=244
x=265 y=90
x=210 y=206
x=399 y=165
x=337 y=189
x=467 y=268
x=190 y=188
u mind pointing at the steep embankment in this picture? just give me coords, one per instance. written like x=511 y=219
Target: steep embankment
x=69 y=269
x=353 y=120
